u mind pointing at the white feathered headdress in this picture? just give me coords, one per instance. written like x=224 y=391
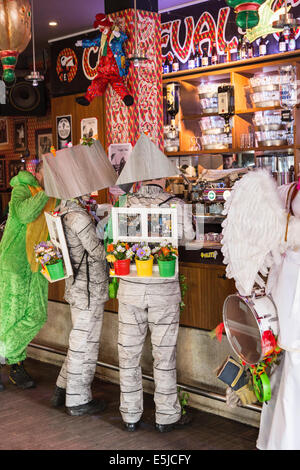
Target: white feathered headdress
x=254 y=230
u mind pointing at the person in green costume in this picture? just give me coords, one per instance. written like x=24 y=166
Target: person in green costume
x=23 y=289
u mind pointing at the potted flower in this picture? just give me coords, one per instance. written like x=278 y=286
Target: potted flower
x=166 y=255
x=143 y=260
x=50 y=259
x=120 y=255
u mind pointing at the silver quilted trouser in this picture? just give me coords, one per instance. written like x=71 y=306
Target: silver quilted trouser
x=163 y=322
x=78 y=370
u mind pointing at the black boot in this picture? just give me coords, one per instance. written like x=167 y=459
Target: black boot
x=131 y=427
x=58 y=397
x=184 y=420
x=19 y=376
x=82 y=101
x=91 y=408
x=1 y=384
x=128 y=100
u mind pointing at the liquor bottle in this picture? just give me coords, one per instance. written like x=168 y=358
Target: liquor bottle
x=227 y=54
x=243 y=50
x=282 y=46
x=239 y=49
x=291 y=41
x=197 y=58
x=250 y=51
x=226 y=104
x=191 y=62
x=214 y=55
x=172 y=99
x=262 y=50
x=175 y=65
x=167 y=66
x=205 y=58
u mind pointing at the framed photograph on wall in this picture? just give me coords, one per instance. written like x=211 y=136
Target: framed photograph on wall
x=64 y=131
x=20 y=135
x=43 y=142
x=2 y=175
x=14 y=166
x=4 y=138
x=118 y=155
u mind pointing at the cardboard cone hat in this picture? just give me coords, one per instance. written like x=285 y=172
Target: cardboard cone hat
x=77 y=170
x=146 y=162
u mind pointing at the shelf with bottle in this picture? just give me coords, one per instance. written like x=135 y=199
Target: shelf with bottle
x=241 y=63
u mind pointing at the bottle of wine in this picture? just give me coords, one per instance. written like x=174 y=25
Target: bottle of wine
x=282 y=46
x=292 y=41
x=197 y=58
x=214 y=55
x=262 y=47
x=205 y=58
x=191 y=61
x=175 y=64
x=167 y=66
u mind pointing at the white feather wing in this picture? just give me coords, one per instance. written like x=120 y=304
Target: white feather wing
x=254 y=230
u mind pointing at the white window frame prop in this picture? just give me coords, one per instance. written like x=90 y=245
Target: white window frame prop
x=143 y=212
x=57 y=237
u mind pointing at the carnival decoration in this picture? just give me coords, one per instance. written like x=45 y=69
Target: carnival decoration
x=247 y=12
x=74 y=171
x=15 y=34
x=113 y=66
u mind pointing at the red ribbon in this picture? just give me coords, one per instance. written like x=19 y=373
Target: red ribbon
x=219 y=331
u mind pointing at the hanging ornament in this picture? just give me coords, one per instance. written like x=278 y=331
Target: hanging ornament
x=15 y=34
x=247 y=12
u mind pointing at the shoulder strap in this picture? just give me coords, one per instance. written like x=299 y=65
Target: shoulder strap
x=292 y=192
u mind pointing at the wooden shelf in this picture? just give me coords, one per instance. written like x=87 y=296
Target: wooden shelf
x=230 y=151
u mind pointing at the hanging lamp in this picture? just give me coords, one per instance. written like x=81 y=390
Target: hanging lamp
x=136 y=58
x=35 y=77
x=286 y=20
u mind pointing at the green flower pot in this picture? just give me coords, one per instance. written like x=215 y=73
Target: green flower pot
x=56 y=271
x=167 y=268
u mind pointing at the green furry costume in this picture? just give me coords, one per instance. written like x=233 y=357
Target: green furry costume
x=23 y=290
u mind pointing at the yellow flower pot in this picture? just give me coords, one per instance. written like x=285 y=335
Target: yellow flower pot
x=144 y=268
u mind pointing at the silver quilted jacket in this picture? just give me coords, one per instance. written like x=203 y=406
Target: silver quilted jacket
x=91 y=280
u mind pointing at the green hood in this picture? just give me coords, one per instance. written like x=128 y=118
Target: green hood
x=24 y=177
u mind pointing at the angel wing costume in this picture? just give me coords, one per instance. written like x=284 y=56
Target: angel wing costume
x=261 y=240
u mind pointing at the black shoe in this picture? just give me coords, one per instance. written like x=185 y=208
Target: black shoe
x=19 y=377
x=58 y=397
x=128 y=100
x=177 y=425
x=131 y=427
x=82 y=101
x=91 y=408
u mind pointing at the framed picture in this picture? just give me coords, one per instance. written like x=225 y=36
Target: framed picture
x=64 y=131
x=89 y=128
x=4 y=139
x=20 y=135
x=43 y=142
x=14 y=166
x=2 y=175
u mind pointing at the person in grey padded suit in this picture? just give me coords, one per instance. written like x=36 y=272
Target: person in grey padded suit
x=154 y=303
x=86 y=292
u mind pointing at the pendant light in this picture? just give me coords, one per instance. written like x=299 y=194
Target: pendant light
x=35 y=77
x=136 y=58
x=286 y=20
